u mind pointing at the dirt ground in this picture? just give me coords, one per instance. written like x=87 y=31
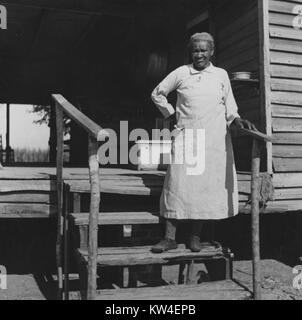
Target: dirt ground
x=277 y=282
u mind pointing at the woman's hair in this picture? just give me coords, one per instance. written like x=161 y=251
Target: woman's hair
x=203 y=36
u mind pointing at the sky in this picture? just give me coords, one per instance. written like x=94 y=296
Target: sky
x=24 y=133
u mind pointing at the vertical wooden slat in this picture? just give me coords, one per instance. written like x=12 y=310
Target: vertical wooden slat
x=52 y=135
x=93 y=217
x=8 y=149
x=255 y=219
x=66 y=241
x=265 y=77
x=59 y=174
x=76 y=202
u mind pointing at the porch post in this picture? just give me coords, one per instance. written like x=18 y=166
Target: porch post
x=255 y=183
x=8 y=148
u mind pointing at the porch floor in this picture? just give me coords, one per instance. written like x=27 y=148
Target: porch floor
x=30 y=192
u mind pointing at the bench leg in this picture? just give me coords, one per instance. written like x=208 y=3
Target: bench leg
x=190 y=270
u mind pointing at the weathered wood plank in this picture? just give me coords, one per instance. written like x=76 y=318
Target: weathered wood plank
x=287 y=125
x=283 y=6
x=27 y=185
x=118 y=218
x=288 y=138
x=264 y=71
x=287 y=180
x=83 y=187
x=286 y=58
x=286 y=45
x=283 y=111
x=281 y=71
x=225 y=290
x=287 y=165
x=288 y=194
x=25 y=197
x=48 y=173
x=290 y=151
x=285 y=33
x=280 y=206
x=293 y=98
x=281 y=19
x=132 y=256
x=26 y=209
x=286 y=84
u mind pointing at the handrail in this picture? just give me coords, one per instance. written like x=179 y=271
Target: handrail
x=257 y=134
x=80 y=118
x=96 y=133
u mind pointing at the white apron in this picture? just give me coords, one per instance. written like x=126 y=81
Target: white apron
x=205 y=101
x=211 y=195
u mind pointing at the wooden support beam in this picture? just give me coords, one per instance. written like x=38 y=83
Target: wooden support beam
x=59 y=175
x=255 y=219
x=66 y=211
x=98 y=8
x=93 y=217
x=8 y=148
x=52 y=135
x=265 y=78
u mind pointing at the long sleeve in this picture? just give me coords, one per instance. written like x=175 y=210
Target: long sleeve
x=161 y=92
x=230 y=103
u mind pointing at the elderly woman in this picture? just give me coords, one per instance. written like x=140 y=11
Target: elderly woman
x=205 y=101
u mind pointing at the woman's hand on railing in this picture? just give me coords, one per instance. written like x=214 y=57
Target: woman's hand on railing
x=244 y=124
x=247 y=128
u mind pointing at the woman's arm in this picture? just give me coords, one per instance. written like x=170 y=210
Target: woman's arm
x=230 y=103
x=161 y=92
x=232 y=116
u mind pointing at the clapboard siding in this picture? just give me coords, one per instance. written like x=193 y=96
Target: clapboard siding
x=237 y=36
x=283 y=111
x=287 y=125
x=286 y=91
x=285 y=45
x=287 y=164
x=288 y=138
x=287 y=151
x=289 y=85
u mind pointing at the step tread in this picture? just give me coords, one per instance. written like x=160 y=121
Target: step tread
x=129 y=256
x=118 y=218
x=220 y=290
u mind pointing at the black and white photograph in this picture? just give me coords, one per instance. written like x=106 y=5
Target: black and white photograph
x=150 y=150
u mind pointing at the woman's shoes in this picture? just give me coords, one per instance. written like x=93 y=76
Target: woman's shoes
x=195 y=245
x=164 y=245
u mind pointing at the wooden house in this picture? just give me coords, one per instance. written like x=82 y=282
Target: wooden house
x=105 y=57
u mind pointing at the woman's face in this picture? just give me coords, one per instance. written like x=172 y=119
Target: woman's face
x=201 y=54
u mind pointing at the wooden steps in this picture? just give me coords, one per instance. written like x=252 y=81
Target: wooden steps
x=117 y=218
x=131 y=256
x=220 y=290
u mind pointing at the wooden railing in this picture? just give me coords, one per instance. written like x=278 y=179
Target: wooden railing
x=96 y=133
x=258 y=138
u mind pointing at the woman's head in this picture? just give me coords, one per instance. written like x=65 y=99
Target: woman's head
x=201 y=49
